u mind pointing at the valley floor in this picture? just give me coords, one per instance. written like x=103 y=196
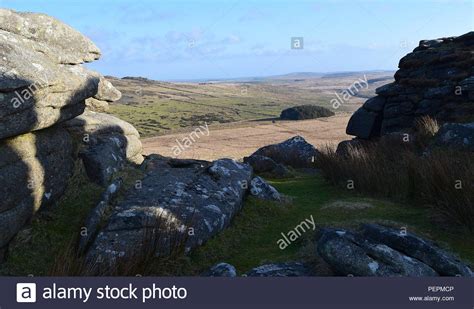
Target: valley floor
x=242 y=139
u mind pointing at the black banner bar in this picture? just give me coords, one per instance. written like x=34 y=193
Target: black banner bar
x=184 y=292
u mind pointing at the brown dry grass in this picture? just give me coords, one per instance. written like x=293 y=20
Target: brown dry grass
x=239 y=140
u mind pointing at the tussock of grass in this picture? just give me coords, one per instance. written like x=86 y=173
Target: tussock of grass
x=427 y=126
x=441 y=181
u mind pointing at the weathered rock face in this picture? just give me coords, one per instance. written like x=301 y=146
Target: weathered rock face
x=381 y=251
x=34 y=170
x=222 y=270
x=41 y=81
x=53 y=37
x=106 y=93
x=295 y=152
x=436 y=79
x=43 y=84
x=179 y=202
x=456 y=136
x=107 y=143
x=262 y=190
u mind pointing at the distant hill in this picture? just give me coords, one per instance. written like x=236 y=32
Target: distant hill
x=158 y=107
x=293 y=76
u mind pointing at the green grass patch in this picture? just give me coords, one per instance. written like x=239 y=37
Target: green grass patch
x=250 y=241
x=252 y=238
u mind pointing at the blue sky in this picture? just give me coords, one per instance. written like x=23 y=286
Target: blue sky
x=184 y=40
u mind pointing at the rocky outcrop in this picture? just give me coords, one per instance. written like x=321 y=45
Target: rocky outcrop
x=456 y=136
x=106 y=144
x=294 y=152
x=51 y=36
x=43 y=85
x=179 y=203
x=382 y=251
x=436 y=79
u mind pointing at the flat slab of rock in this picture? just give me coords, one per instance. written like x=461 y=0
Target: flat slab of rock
x=51 y=36
x=178 y=203
x=382 y=251
x=418 y=248
x=289 y=269
x=295 y=152
x=348 y=205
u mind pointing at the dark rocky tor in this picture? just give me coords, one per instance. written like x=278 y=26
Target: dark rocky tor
x=436 y=79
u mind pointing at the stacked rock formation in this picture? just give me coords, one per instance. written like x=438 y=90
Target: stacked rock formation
x=436 y=79
x=42 y=86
